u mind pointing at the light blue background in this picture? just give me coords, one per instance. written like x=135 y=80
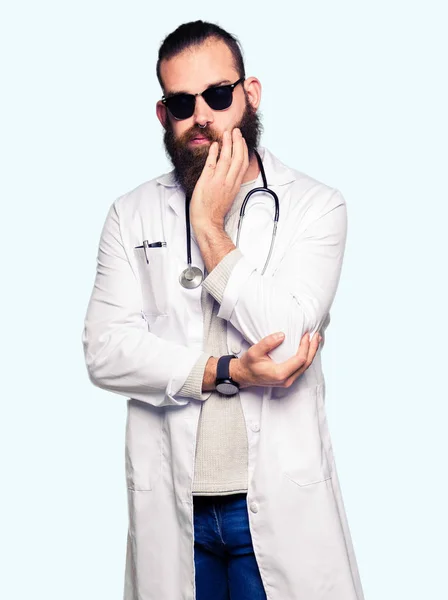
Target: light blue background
x=354 y=94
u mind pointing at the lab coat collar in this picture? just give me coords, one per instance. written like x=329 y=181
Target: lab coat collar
x=276 y=174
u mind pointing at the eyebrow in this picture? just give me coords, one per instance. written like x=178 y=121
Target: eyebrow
x=221 y=82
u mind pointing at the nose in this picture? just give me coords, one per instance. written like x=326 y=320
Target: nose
x=203 y=114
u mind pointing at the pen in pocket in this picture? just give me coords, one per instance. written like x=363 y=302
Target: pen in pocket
x=152 y=245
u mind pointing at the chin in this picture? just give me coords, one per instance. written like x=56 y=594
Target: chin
x=200 y=152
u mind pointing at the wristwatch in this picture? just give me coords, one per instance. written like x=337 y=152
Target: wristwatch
x=224 y=383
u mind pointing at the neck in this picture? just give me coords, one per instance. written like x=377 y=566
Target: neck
x=252 y=170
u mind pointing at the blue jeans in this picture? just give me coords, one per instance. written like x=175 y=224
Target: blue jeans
x=224 y=558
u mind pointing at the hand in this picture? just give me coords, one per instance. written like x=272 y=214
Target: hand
x=220 y=180
x=255 y=367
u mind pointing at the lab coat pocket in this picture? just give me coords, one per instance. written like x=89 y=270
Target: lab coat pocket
x=154 y=279
x=143 y=447
x=303 y=440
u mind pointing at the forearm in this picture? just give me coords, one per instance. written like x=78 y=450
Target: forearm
x=208 y=383
x=214 y=244
x=135 y=363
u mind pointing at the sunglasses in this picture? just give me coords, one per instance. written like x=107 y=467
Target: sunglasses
x=218 y=97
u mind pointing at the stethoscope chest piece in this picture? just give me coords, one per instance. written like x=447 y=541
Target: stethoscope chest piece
x=191 y=277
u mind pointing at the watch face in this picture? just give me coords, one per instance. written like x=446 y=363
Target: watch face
x=226 y=388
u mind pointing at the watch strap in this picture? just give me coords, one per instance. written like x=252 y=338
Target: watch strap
x=222 y=368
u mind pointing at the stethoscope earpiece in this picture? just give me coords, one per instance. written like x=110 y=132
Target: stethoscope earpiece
x=192 y=277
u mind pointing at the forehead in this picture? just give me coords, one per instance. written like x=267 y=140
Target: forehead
x=196 y=67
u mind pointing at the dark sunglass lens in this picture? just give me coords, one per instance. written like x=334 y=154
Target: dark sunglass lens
x=181 y=106
x=218 y=98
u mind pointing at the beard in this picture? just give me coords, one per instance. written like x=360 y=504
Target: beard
x=189 y=162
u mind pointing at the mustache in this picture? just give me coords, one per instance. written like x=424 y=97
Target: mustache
x=195 y=131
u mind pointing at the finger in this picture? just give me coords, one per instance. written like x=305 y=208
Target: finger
x=294 y=376
x=237 y=138
x=304 y=346
x=225 y=156
x=297 y=361
x=244 y=164
x=307 y=349
x=237 y=152
x=315 y=341
x=313 y=349
x=210 y=163
x=237 y=157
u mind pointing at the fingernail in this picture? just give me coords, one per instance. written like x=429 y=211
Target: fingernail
x=279 y=336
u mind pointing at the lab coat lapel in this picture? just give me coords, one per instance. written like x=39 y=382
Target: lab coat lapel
x=177 y=204
x=177 y=229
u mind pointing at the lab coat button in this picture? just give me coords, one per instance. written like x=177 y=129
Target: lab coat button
x=235 y=348
x=255 y=426
x=254 y=507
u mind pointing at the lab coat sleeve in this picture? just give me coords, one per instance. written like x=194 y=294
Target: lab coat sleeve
x=121 y=355
x=298 y=297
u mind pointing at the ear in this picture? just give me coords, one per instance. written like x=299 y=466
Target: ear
x=252 y=86
x=161 y=112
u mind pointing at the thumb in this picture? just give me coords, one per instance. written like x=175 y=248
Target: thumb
x=267 y=343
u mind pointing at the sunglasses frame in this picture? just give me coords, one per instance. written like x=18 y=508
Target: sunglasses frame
x=232 y=86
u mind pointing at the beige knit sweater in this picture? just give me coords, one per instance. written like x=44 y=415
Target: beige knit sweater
x=221 y=448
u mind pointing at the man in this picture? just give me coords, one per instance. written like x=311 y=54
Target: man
x=232 y=486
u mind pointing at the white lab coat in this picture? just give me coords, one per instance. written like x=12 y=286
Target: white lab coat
x=143 y=333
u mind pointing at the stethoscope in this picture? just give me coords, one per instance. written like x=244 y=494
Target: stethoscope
x=192 y=277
